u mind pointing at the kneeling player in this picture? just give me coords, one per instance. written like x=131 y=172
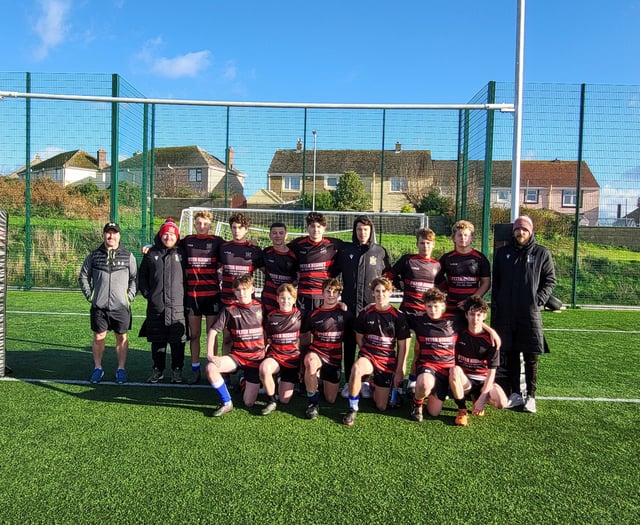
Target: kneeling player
x=282 y=329
x=243 y=319
x=379 y=329
x=326 y=326
x=476 y=362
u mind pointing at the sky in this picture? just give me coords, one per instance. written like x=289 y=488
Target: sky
x=413 y=52
x=416 y=51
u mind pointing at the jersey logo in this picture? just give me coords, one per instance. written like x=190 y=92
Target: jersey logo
x=373 y=260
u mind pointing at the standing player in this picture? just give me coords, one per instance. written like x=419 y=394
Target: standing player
x=237 y=257
x=108 y=280
x=414 y=274
x=282 y=330
x=464 y=271
x=243 y=319
x=280 y=266
x=327 y=326
x=476 y=362
x=202 y=252
x=379 y=329
x=315 y=254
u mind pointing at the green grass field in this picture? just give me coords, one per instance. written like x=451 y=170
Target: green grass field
x=79 y=453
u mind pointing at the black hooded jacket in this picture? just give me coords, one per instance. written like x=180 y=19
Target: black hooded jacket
x=359 y=264
x=523 y=280
x=161 y=283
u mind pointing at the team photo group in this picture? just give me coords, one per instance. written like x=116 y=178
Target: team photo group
x=323 y=324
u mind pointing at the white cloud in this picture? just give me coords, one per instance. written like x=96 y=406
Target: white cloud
x=230 y=71
x=187 y=65
x=51 y=26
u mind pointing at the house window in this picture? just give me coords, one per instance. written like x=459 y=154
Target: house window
x=502 y=196
x=195 y=174
x=398 y=184
x=331 y=182
x=291 y=184
x=569 y=198
x=58 y=174
x=531 y=196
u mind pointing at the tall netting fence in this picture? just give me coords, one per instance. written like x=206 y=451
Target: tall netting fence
x=69 y=166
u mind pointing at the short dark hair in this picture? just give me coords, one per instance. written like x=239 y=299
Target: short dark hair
x=425 y=233
x=318 y=217
x=475 y=302
x=278 y=225
x=239 y=218
x=332 y=282
x=246 y=279
x=434 y=295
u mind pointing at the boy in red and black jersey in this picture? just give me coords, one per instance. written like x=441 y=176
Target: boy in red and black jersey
x=202 y=252
x=280 y=266
x=238 y=256
x=315 y=254
x=380 y=328
x=477 y=360
x=243 y=320
x=327 y=326
x=282 y=328
x=414 y=274
x=464 y=271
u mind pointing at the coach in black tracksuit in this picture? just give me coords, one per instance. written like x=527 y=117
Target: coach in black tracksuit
x=161 y=283
x=523 y=280
x=359 y=262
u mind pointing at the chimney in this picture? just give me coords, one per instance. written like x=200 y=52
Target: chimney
x=102 y=159
x=299 y=146
x=230 y=157
x=398 y=147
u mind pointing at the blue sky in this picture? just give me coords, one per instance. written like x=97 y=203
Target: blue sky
x=417 y=51
x=330 y=51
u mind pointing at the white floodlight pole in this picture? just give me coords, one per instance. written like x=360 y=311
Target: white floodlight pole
x=313 y=198
x=517 y=120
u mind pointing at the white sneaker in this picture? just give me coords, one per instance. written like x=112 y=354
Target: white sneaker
x=365 y=390
x=345 y=391
x=515 y=400
x=530 y=405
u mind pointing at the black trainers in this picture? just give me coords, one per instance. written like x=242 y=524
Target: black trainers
x=270 y=407
x=176 y=375
x=156 y=376
x=350 y=418
x=312 y=411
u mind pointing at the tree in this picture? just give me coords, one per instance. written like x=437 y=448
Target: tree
x=434 y=203
x=324 y=201
x=351 y=194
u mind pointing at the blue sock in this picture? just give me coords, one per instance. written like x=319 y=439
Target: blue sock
x=354 y=402
x=223 y=391
x=412 y=377
x=195 y=367
x=313 y=398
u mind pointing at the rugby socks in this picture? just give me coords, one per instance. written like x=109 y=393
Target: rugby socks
x=412 y=378
x=460 y=403
x=418 y=402
x=272 y=399
x=313 y=397
x=195 y=367
x=221 y=388
x=354 y=402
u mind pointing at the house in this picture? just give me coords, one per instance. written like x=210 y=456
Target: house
x=550 y=185
x=544 y=184
x=191 y=167
x=67 y=168
x=402 y=169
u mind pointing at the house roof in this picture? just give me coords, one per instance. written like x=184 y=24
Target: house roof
x=364 y=162
x=177 y=156
x=68 y=159
x=544 y=174
x=534 y=173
